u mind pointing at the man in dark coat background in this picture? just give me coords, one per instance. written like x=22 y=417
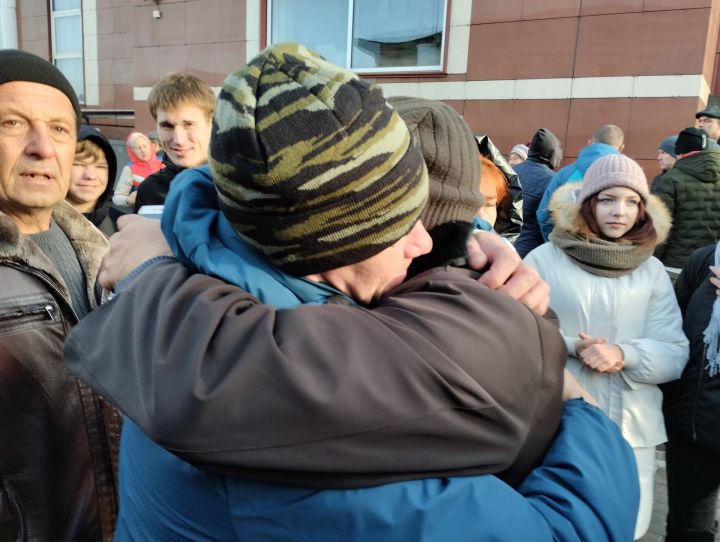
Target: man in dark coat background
x=535 y=173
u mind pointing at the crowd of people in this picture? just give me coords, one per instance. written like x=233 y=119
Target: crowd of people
x=355 y=320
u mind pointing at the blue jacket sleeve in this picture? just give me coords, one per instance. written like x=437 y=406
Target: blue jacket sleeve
x=585 y=489
x=527 y=240
x=543 y=213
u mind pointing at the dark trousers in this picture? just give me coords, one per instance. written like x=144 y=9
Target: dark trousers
x=693 y=478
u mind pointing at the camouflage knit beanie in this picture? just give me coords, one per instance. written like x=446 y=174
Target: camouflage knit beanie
x=451 y=156
x=312 y=167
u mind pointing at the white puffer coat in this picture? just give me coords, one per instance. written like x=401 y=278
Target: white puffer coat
x=638 y=312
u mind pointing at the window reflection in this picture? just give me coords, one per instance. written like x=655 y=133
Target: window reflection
x=72 y=68
x=392 y=33
x=386 y=35
x=320 y=25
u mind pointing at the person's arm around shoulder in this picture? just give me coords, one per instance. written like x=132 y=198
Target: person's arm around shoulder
x=424 y=381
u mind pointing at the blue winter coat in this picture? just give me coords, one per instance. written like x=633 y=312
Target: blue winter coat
x=572 y=173
x=572 y=496
x=534 y=178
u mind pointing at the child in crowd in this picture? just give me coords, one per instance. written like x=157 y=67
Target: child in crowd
x=91 y=179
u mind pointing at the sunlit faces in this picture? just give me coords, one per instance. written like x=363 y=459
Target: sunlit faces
x=37 y=146
x=185 y=134
x=665 y=161
x=88 y=181
x=616 y=211
x=711 y=125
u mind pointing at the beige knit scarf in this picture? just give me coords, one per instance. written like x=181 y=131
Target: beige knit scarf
x=600 y=257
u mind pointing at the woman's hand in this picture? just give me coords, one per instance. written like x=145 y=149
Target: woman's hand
x=596 y=353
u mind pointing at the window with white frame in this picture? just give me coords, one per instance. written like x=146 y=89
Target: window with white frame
x=67 y=42
x=367 y=36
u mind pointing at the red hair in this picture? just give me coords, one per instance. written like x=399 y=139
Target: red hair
x=492 y=179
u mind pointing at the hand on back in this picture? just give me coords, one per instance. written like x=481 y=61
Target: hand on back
x=507 y=272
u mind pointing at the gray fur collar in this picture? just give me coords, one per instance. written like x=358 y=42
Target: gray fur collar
x=566 y=211
x=90 y=246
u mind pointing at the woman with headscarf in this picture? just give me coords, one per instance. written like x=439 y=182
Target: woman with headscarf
x=615 y=302
x=143 y=163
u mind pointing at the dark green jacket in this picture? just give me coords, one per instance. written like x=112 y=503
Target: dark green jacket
x=691 y=191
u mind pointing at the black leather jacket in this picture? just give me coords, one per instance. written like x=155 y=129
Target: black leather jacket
x=58 y=439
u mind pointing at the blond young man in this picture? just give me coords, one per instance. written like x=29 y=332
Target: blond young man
x=182 y=106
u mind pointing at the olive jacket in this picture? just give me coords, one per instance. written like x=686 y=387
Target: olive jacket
x=691 y=191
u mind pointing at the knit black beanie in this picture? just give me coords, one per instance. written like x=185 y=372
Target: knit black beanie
x=16 y=65
x=691 y=139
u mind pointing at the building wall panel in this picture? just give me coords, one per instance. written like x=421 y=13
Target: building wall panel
x=605 y=7
x=587 y=115
x=516 y=51
x=655 y=43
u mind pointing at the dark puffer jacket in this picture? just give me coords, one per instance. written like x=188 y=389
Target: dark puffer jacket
x=691 y=191
x=58 y=439
x=691 y=404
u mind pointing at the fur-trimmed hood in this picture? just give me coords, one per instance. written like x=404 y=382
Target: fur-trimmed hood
x=565 y=211
x=90 y=246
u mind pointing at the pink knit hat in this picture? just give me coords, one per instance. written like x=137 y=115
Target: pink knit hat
x=611 y=171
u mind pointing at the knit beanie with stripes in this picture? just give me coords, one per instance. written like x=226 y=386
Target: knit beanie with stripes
x=312 y=167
